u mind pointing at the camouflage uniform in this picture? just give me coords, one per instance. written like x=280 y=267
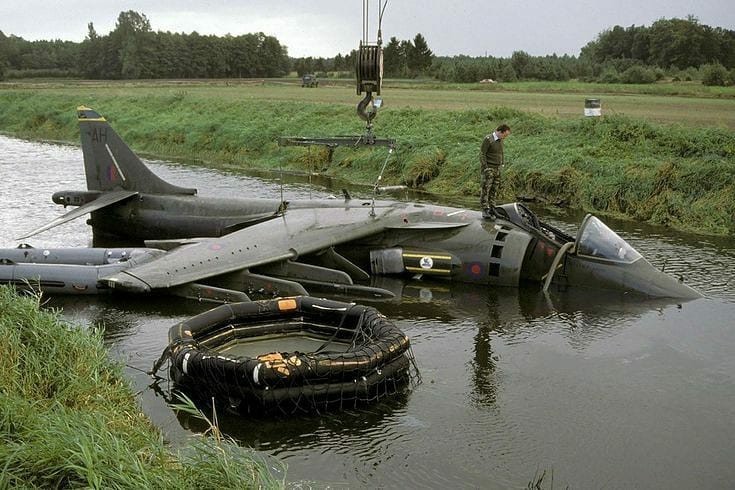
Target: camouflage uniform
x=491 y=161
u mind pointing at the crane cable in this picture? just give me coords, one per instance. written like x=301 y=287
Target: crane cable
x=366 y=20
x=369 y=68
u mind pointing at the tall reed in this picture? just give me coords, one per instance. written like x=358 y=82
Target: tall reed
x=68 y=417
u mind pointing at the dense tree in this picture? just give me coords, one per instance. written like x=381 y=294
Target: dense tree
x=351 y=60
x=90 y=60
x=638 y=74
x=401 y=58
x=522 y=65
x=315 y=65
x=508 y=73
x=715 y=74
x=392 y=59
x=339 y=63
x=676 y=42
x=404 y=49
x=41 y=57
x=419 y=56
x=133 y=50
x=3 y=55
x=132 y=41
x=273 y=56
x=198 y=48
x=680 y=43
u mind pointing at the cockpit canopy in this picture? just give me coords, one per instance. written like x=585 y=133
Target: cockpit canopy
x=595 y=239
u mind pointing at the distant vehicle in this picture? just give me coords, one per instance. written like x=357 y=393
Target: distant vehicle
x=309 y=80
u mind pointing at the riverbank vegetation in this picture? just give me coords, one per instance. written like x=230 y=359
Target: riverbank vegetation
x=69 y=419
x=681 y=176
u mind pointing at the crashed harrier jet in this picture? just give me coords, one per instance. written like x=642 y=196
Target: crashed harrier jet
x=279 y=248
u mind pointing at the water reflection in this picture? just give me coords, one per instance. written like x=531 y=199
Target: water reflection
x=285 y=433
x=483 y=368
x=510 y=312
x=331 y=448
x=511 y=316
x=120 y=316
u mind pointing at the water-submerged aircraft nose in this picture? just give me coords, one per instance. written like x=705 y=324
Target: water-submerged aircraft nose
x=638 y=277
x=602 y=259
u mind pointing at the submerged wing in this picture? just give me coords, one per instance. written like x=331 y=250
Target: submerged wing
x=104 y=200
x=297 y=232
x=430 y=225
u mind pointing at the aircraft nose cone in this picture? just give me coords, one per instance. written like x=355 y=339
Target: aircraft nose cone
x=663 y=285
x=639 y=277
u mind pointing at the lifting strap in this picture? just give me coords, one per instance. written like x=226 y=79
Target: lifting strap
x=555 y=263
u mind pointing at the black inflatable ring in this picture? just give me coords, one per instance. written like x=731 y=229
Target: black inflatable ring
x=375 y=363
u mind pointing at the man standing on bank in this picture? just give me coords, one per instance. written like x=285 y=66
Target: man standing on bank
x=491 y=161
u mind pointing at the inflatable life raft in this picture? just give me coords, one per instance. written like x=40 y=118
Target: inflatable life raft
x=243 y=355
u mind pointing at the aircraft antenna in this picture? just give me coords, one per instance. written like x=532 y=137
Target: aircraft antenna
x=376 y=187
x=283 y=204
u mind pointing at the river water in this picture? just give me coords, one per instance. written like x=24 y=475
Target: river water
x=598 y=390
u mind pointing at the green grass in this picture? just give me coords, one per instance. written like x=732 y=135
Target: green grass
x=69 y=419
x=627 y=163
x=685 y=102
x=684 y=89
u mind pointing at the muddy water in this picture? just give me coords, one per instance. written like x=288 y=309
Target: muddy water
x=601 y=390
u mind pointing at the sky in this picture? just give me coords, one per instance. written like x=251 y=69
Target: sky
x=324 y=28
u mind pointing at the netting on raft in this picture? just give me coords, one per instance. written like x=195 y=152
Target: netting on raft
x=360 y=356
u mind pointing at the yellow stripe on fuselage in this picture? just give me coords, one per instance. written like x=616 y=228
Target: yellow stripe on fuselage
x=421 y=256
x=436 y=271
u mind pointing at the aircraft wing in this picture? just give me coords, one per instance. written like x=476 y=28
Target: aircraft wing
x=297 y=232
x=429 y=225
x=104 y=200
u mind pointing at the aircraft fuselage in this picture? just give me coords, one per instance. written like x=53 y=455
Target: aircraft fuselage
x=477 y=251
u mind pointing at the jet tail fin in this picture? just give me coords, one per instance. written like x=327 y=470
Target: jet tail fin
x=111 y=165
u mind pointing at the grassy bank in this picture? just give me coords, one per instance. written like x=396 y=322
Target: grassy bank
x=675 y=175
x=68 y=418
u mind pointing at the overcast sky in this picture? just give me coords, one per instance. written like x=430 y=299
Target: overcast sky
x=327 y=27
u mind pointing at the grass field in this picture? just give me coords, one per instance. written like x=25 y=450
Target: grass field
x=680 y=103
x=663 y=159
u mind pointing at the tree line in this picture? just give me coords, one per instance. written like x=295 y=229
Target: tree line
x=680 y=43
x=133 y=51
x=401 y=59
x=680 y=49
x=669 y=44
